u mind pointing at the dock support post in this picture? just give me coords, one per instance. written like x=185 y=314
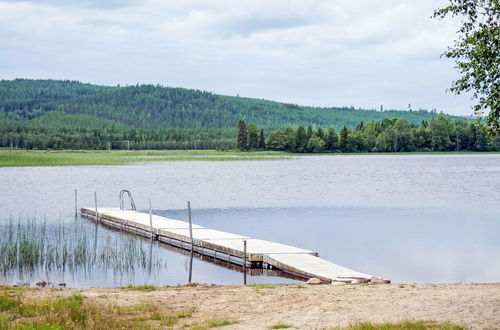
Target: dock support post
x=95 y=202
x=76 y=203
x=150 y=220
x=245 y=262
x=190 y=268
x=190 y=226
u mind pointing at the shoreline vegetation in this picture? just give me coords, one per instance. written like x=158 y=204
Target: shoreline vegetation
x=52 y=114
x=21 y=158
x=17 y=158
x=388 y=135
x=65 y=115
x=196 y=306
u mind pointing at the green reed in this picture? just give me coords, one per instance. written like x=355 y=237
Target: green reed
x=28 y=245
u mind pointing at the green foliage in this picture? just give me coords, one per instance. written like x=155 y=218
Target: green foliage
x=262 y=140
x=253 y=137
x=148 y=106
x=277 y=140
x=315 y=144
x=49 y=114
x=442 y=133
x=300 y=140
x=344 y=139
x=332 y=140
x=242 y=143
x=476 y=53
x=58 y=130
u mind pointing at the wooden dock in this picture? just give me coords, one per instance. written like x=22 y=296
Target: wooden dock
x=227 y=246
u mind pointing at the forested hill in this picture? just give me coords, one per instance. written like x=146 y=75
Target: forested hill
x=149 y=106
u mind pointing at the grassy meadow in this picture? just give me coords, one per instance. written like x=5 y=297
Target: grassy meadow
x=115 y=157
x=16 y=158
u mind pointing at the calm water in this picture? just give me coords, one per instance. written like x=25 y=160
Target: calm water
x=418 y=218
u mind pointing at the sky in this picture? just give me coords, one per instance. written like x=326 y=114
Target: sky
x=364 y=53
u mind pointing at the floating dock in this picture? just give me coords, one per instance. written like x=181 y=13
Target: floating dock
x=227 y=246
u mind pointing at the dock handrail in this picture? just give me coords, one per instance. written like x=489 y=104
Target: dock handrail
x=132 y=204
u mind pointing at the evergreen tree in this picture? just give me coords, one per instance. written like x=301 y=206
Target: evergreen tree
x=262 y=141
x=300 y=139
x=242 y=143
x=253 y=137
x=309 y=133
x=321 y=134
x=290 y=139
x=157 y=107
x=344 y=139
x=332 y=140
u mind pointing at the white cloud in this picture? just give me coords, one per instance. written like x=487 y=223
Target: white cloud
x=314 y=52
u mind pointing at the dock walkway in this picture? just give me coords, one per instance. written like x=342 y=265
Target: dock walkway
x=227 y=246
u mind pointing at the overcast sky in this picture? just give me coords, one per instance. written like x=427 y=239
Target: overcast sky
x=363 y=53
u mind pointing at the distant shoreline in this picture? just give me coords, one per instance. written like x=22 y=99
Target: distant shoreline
x=22 y=158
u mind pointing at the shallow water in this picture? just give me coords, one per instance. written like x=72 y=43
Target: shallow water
x=409 y=218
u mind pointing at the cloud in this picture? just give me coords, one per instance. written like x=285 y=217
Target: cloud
x=314 y=52
x=103 y=4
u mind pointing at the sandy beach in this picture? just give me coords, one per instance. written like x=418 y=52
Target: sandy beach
x=476 y=306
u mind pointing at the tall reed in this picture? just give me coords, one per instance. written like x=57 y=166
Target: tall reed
x=29 y=245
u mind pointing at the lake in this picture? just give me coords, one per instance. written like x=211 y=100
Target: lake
x=409 y=218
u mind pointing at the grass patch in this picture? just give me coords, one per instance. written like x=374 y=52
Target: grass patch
x=8 y=302
x=418 y=325
x=212 y=323
x=262 y=286
x=4 y=321
x=280 y=326
x=144 y=287
x=75 y=311
x=116 y=157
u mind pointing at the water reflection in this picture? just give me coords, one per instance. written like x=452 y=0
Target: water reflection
x=33 y=251
x=435 y=245
x=421 y=218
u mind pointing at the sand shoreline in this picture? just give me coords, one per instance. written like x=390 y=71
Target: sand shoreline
x=476 y=306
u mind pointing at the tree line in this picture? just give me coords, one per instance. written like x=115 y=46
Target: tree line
x=388 y=135
x=52 y=114
x=158 y=107
x=57 y=130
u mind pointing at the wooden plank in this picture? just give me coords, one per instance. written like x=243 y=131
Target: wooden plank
x=205 y=234
x=256 y=248
x=312 y=266
x=209 y=242
x=143 y=218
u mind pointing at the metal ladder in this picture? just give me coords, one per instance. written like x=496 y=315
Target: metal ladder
x=132 y=204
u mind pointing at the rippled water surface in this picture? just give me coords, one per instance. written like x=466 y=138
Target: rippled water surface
x=409 y=218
